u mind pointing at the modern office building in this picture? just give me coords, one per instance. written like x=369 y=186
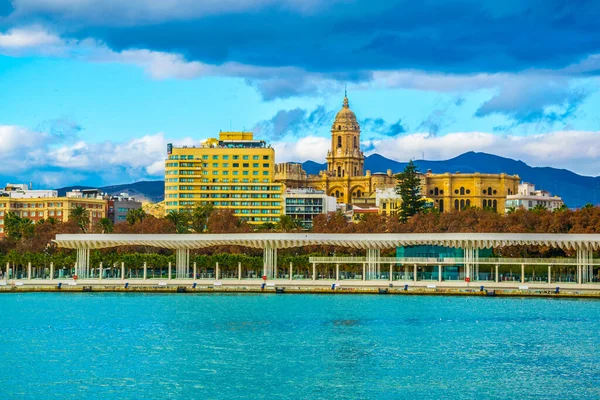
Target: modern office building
x=119 y=206
x=43 y=204
x=303 y=205
x=233 y=172
x=528 y=197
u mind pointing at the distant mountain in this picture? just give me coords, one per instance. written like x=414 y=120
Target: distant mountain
x=575 y=190
x=153 y=191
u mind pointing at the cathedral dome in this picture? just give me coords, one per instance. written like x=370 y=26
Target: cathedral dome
x=345 y=120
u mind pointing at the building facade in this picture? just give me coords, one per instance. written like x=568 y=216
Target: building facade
x=119 y=206
x=345 y=178
x=528 y=197
x=36 y=205
x=303 y=205
x=458 y=191
x=233 y=172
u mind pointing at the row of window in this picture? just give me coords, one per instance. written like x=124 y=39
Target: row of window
x=216 y=157
x=462 y=191
x=215 y=180
x=217 y=165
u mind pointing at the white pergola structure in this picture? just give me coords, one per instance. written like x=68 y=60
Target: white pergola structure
x=583 y=244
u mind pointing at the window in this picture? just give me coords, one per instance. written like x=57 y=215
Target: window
x=339 y=171
x=215 y=165
x=462 y=204
x=339 y=142
x=355 y=142
x=245 y=165
x=441 y=206
x=436 y=191
x=456 y=204
x=255 y=165
x=215 y=157
x=462 y=190
x=236 y=157
x=225 y=157
x=205 y=157
x=266 y=165
x=255 y=157
x=265 y=157
x=236 y=165
x=489 y=191
x=245 y=157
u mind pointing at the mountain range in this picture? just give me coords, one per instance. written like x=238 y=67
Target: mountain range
x=576 y=190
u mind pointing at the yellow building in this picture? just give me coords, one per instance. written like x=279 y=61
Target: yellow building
x=458 y=191
x=36 y=205
x=344 y=178
x=234 y=172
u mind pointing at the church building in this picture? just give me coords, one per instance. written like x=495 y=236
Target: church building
x=345 y=178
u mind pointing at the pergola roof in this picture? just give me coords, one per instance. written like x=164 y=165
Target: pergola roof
x=353 y=240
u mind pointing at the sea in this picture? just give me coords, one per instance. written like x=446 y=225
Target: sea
x=296 y=346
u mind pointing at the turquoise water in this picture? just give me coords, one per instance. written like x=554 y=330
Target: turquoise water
x=154 y=346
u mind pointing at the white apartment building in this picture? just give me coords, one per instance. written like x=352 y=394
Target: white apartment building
x=528 y=197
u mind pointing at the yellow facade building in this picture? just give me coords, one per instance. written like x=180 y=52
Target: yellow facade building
x=457 y=191
x=233 y=172
x=345 y=178
x=37 y=205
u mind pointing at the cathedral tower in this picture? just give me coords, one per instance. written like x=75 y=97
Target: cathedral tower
x=345 y=158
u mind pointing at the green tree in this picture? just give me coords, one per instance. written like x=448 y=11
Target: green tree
x=18 y=227
x=106 y=225
x=199 y=217
x=409 y=189
x=287 y=224
x=135 y=216
x=181 y=220
x=82 y=216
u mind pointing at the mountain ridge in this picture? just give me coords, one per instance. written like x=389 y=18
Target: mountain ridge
x=576 y=190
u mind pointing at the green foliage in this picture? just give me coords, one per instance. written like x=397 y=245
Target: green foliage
x=134 y=216
x=82 y=216
x=106 y=225
x=199 y=217
x=17 y=227
x=409 y=189
x=181 y=220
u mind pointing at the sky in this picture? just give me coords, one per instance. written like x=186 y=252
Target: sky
x=91 y=91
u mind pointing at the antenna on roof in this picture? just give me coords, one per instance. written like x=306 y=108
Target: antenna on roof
x=345 y=91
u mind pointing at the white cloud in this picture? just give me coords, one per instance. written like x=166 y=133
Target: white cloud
x=30 y=37
x=305 y=148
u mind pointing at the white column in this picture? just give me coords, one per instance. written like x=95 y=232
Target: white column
x=100 y=271
x=194 y=272
x=391 y=272
x=169 y=276
x=549 y=275
x=337 y=272
x=239 y=271
x=145 y=271
x=496 y=277
x=522 y=273
x=29 y=271
x=314 y=277
x=291 y=271
x=122 y=270
x=51 y=271
x=415 y=273
x=364 y=275
x=217 y=271
x=440 y=273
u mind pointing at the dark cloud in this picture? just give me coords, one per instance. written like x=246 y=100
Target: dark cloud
x=458 y=36
x=294 y=122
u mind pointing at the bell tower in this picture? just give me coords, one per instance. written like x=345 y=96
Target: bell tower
x=345 y=158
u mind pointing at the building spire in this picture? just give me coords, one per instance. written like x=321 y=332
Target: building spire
x=345 y=105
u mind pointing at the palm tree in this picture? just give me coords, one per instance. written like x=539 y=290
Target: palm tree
x=134 y=216
x=106 y=224
x=82 y=216
x=287 y=224
x=18 y=227
x=180 y=219
x=200 y=216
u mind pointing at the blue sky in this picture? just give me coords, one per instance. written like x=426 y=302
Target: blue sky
x=92 y=90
